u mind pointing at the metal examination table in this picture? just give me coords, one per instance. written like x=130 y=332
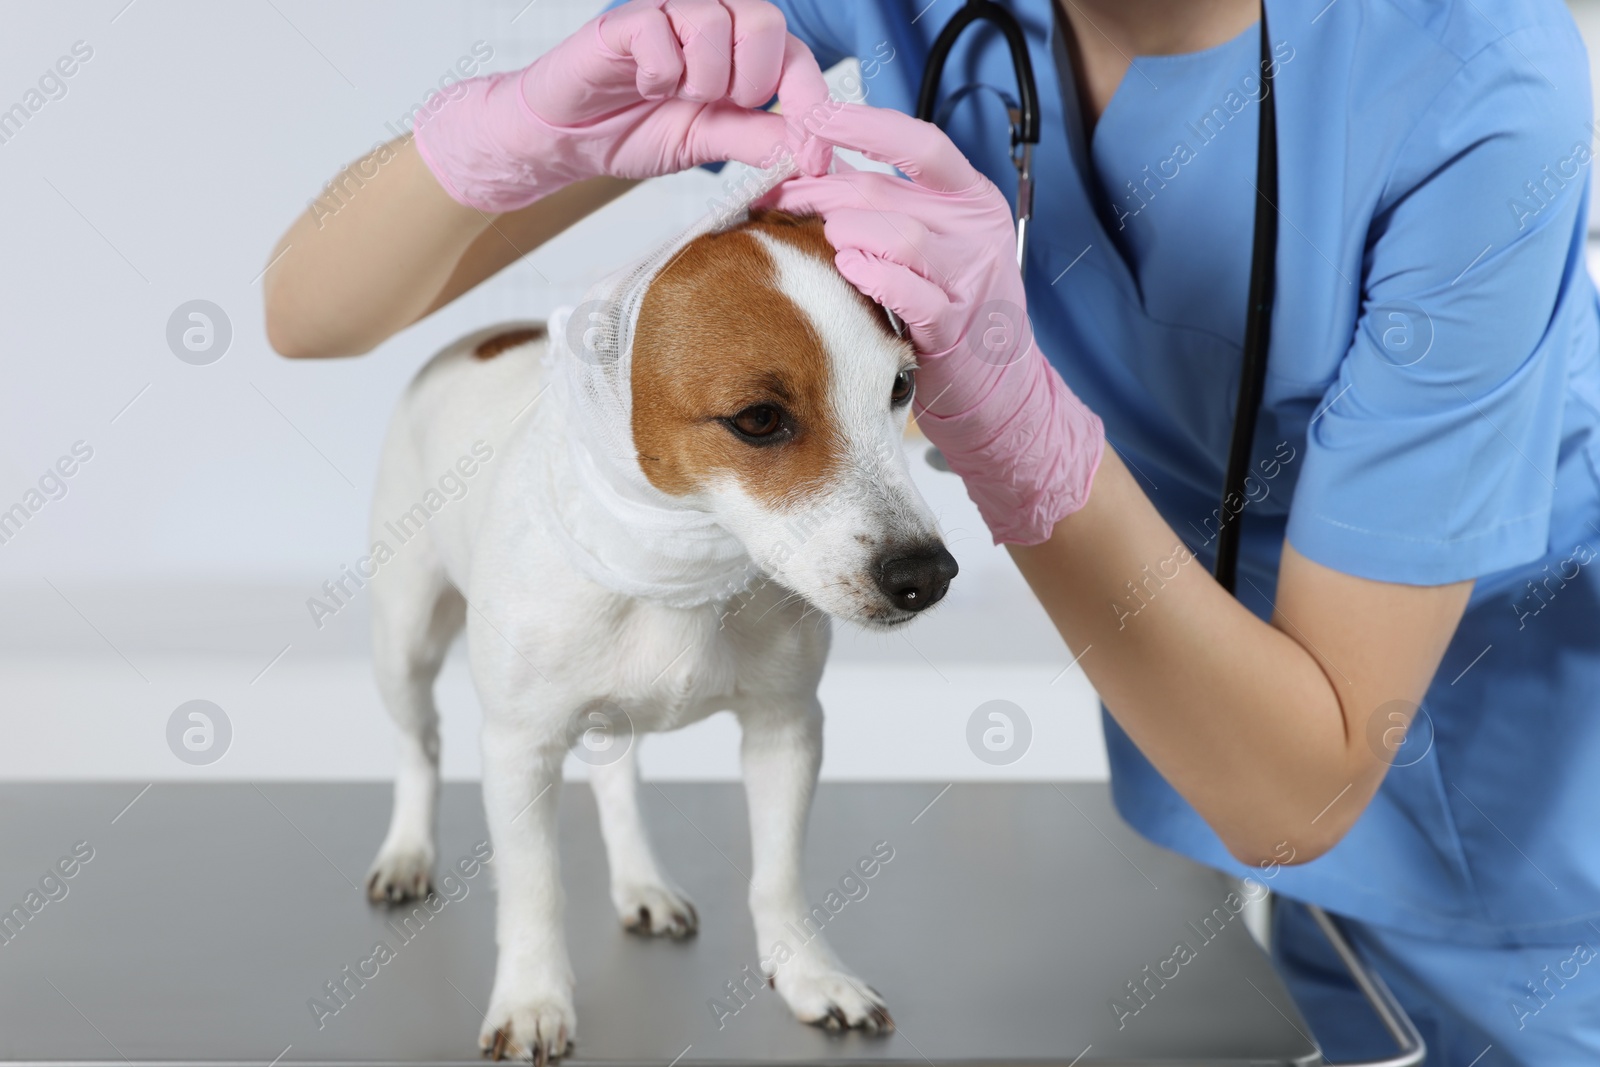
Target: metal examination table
x=1008 y=921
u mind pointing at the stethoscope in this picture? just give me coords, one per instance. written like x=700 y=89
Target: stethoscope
x=1024 y=116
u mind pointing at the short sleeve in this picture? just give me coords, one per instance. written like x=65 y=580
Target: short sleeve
x=1432 y=457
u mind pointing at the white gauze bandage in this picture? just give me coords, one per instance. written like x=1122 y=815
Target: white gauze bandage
x=617 y=528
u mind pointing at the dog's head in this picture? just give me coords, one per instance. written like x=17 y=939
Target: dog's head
x=771 y=392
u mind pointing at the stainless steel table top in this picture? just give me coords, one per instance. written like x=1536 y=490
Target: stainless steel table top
x=208 y=920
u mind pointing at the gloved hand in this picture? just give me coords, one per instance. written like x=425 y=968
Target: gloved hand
x=940 y=251
x=650 y=88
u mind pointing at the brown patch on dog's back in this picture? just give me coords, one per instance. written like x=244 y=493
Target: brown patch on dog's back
x=493 y=346
x=714 y=336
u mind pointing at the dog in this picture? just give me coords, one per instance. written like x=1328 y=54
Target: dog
x=767 y=396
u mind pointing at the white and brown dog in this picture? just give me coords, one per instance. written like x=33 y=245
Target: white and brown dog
x=640 y=561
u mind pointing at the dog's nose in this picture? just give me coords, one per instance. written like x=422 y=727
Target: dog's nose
x=916 y=579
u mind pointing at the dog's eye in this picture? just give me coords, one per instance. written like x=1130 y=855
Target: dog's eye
x=758 y=423
x=905 y=383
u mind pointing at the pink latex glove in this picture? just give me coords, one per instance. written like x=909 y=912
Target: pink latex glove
x=940 y=251
x=650 y=88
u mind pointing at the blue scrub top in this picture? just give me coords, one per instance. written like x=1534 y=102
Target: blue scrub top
x=1431 y=400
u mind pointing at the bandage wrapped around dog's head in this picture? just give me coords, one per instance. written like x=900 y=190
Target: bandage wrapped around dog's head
x=619 y=529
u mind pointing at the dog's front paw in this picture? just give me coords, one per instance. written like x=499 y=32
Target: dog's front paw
x=537 y=1028
x=401 y=872
x=833 y=999
x=655 y=910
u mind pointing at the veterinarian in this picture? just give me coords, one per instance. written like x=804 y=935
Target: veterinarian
x=1421 y=523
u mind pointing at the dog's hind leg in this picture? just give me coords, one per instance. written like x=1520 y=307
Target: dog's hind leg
x=781 y=753
x=416 y=614
x=646 y=900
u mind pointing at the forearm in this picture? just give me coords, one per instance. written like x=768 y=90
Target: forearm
x=385 y=245
x=367 y=257
x=1237 y=714
x=513 y=235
